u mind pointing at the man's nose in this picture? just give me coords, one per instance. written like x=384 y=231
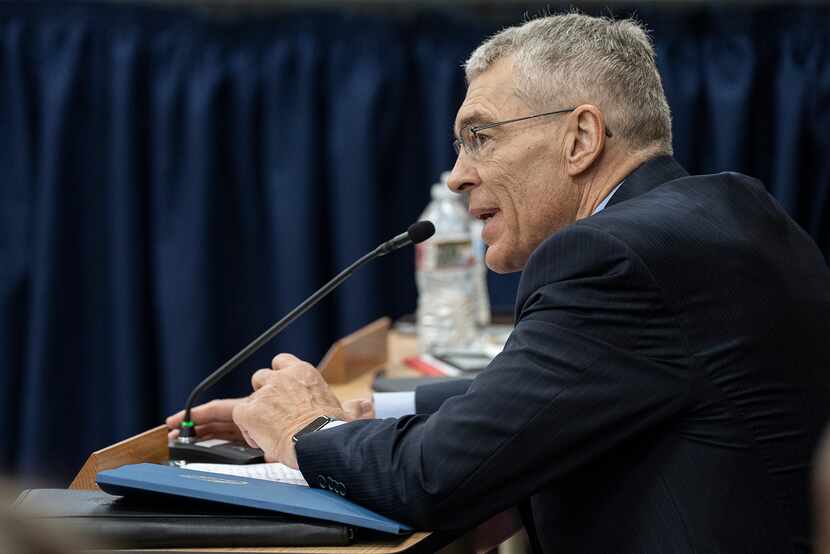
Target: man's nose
x=463 y=177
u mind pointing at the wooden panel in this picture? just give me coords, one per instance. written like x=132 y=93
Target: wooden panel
x=399 y=346
x=354 y=355
x=149 y=446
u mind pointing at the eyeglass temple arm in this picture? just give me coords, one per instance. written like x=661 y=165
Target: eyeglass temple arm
x=478 y=128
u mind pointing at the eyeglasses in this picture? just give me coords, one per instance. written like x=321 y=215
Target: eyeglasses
x=472 y=142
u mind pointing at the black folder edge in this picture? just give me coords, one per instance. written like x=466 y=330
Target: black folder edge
x=139 y=513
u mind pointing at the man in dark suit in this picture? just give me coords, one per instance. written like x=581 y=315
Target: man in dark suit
x=665 y=384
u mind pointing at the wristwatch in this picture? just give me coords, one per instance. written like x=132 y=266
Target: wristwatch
x=322 y=422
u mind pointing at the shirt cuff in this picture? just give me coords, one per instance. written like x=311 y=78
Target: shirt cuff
x=393 y=404
x=332 y=424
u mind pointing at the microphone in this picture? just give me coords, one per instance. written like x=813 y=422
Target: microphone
x=417 y=232
x=185 y=447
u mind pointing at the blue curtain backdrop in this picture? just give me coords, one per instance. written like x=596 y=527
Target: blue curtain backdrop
x=171 y=183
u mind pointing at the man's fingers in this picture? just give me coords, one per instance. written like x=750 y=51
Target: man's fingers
x=174 y=420
x=261 y=377
x=292 y=366
x=281 y=361
x=213 y=411
x=305 y=373
x=219 y=430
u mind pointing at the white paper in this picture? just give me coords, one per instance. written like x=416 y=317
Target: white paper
x=269 y=472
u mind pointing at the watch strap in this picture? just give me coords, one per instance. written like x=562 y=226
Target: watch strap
x=318 y=424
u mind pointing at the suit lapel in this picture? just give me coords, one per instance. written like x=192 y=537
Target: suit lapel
x=651 y=174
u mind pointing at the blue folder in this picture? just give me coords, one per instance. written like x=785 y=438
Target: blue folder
x=134 y=479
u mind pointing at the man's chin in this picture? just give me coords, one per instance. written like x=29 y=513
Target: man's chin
x=500 y=262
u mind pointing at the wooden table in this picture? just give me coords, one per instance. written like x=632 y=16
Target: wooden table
x=151 y=446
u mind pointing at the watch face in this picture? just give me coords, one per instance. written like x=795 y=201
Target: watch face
x=315 y=425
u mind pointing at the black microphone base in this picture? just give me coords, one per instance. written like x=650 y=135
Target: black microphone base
x=215 y=452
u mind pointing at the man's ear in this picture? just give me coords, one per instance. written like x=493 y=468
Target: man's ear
x=585 y=139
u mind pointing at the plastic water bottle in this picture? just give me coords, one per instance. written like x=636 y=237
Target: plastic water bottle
x=444 y=271
x=481 y=296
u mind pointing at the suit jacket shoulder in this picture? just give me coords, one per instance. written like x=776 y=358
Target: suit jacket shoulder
x=663 y=390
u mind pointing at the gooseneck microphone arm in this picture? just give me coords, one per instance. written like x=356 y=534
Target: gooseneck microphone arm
x=418 y=232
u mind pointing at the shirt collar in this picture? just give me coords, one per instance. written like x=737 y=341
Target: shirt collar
x=605 y=200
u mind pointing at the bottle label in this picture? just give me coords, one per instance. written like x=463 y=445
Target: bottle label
x=444 y=254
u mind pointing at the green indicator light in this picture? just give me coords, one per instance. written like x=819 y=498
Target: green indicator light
x=187 y=424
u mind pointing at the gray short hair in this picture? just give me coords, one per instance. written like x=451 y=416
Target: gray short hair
x=571 y=59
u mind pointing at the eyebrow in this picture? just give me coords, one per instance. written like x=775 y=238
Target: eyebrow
x=467 y=121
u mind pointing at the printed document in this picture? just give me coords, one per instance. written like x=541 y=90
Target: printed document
x=269 y=472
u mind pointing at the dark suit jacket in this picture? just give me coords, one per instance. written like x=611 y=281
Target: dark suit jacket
x=663 y=390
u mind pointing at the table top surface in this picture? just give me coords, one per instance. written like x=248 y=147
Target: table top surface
x=400 y=345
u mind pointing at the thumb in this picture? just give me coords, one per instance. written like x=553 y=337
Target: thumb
x=358 y=409
x=367 y=409
x=352 y=409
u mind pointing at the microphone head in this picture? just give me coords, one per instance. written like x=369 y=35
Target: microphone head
x=420 y=231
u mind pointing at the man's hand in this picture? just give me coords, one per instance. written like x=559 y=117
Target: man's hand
x=286 y=398
x=213 y=421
